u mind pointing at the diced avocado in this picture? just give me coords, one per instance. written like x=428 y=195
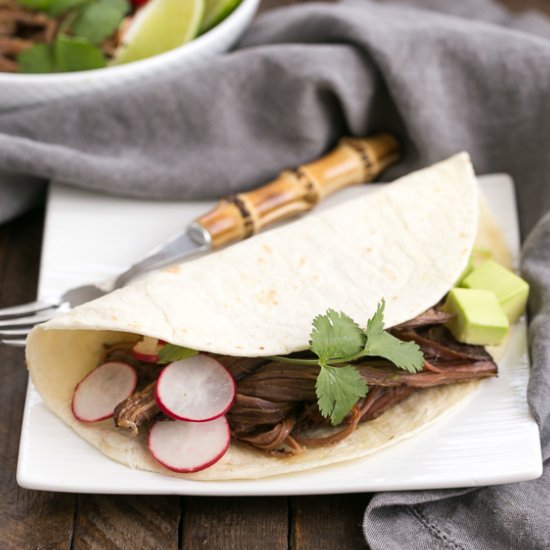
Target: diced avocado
x=467 y=270
x=511 y=291
x=478 y=316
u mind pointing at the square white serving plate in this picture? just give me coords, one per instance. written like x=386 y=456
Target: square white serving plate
x=491 y=439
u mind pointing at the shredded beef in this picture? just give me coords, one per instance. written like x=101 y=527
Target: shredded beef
x=275 y=408
x=283 y=388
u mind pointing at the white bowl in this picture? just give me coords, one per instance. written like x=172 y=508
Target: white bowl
x=19 y=90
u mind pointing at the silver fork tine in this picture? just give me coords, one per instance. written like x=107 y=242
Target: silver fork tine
x=14 y=333
x=27 y=309
x=14 y=338
x=14 y=343
x=27 y=321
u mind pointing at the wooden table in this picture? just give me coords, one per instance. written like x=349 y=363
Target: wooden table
x=36 y=520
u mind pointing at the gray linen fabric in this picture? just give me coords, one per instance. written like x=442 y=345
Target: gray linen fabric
x=302 y=77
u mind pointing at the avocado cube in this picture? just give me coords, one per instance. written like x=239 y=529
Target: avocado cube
x=478 y=316
x=511 y=291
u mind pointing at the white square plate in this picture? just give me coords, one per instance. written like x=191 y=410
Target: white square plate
x=88 y=237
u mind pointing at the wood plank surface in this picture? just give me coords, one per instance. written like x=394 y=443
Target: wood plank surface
x=28 y=519
x=109 y=522
x=327 y=522
x=244 y=523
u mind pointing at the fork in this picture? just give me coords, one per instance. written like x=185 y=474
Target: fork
x=295 y=191
x=17 y=321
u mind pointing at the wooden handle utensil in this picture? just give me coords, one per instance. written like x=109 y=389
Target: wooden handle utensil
x=353 y=161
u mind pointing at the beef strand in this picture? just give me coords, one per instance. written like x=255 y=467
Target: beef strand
x=281 y=382
x=273 y=439
x=136 y=410
x=432 y=316
x=256 y=411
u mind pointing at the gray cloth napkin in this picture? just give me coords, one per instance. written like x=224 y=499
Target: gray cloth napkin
x=302 y=77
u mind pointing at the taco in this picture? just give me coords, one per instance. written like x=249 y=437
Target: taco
x=405 y=243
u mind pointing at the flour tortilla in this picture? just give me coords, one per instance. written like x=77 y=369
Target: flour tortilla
x=408 y=243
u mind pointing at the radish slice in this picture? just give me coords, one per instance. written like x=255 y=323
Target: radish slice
x=147 y=350
x=96 y=396
x=189 y=446
x=196 y=389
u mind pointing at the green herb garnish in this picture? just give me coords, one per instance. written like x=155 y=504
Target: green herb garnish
x=76 y=47
x=337 y=340
x=171 y=352
x=41 y=5
x=404 y=355
x=37 y=59
x=98 y=19
x=334 y=336
x=338 y=389
x=73 y=53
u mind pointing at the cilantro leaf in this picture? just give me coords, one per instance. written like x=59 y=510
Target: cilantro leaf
x=68 y=53
x=404 y=355
x=59 y=7
x=99 y=19
x=41 y=5
x=73 y=53
x=338 y=389
x=36 y=59
x=375 y=324
x=171 y=352
x=52 y=7
x=335 y=335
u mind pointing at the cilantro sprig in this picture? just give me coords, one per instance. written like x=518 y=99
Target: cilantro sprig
x=84 y=24
x=337 y=341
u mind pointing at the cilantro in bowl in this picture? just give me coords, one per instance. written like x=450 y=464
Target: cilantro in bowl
x=52 y=36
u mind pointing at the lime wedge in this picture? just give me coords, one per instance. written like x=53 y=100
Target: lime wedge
x=159 y=26
x=216 y=11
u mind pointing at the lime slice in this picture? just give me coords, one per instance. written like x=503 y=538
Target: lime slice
x=216 y=11
x=159 y=26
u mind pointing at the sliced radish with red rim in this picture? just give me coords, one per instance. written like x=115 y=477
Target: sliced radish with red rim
x=147 y=349
x=196 y=389
x=189 y=446
x=102 y=389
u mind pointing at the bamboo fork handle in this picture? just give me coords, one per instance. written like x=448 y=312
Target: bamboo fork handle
x=353 y=161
